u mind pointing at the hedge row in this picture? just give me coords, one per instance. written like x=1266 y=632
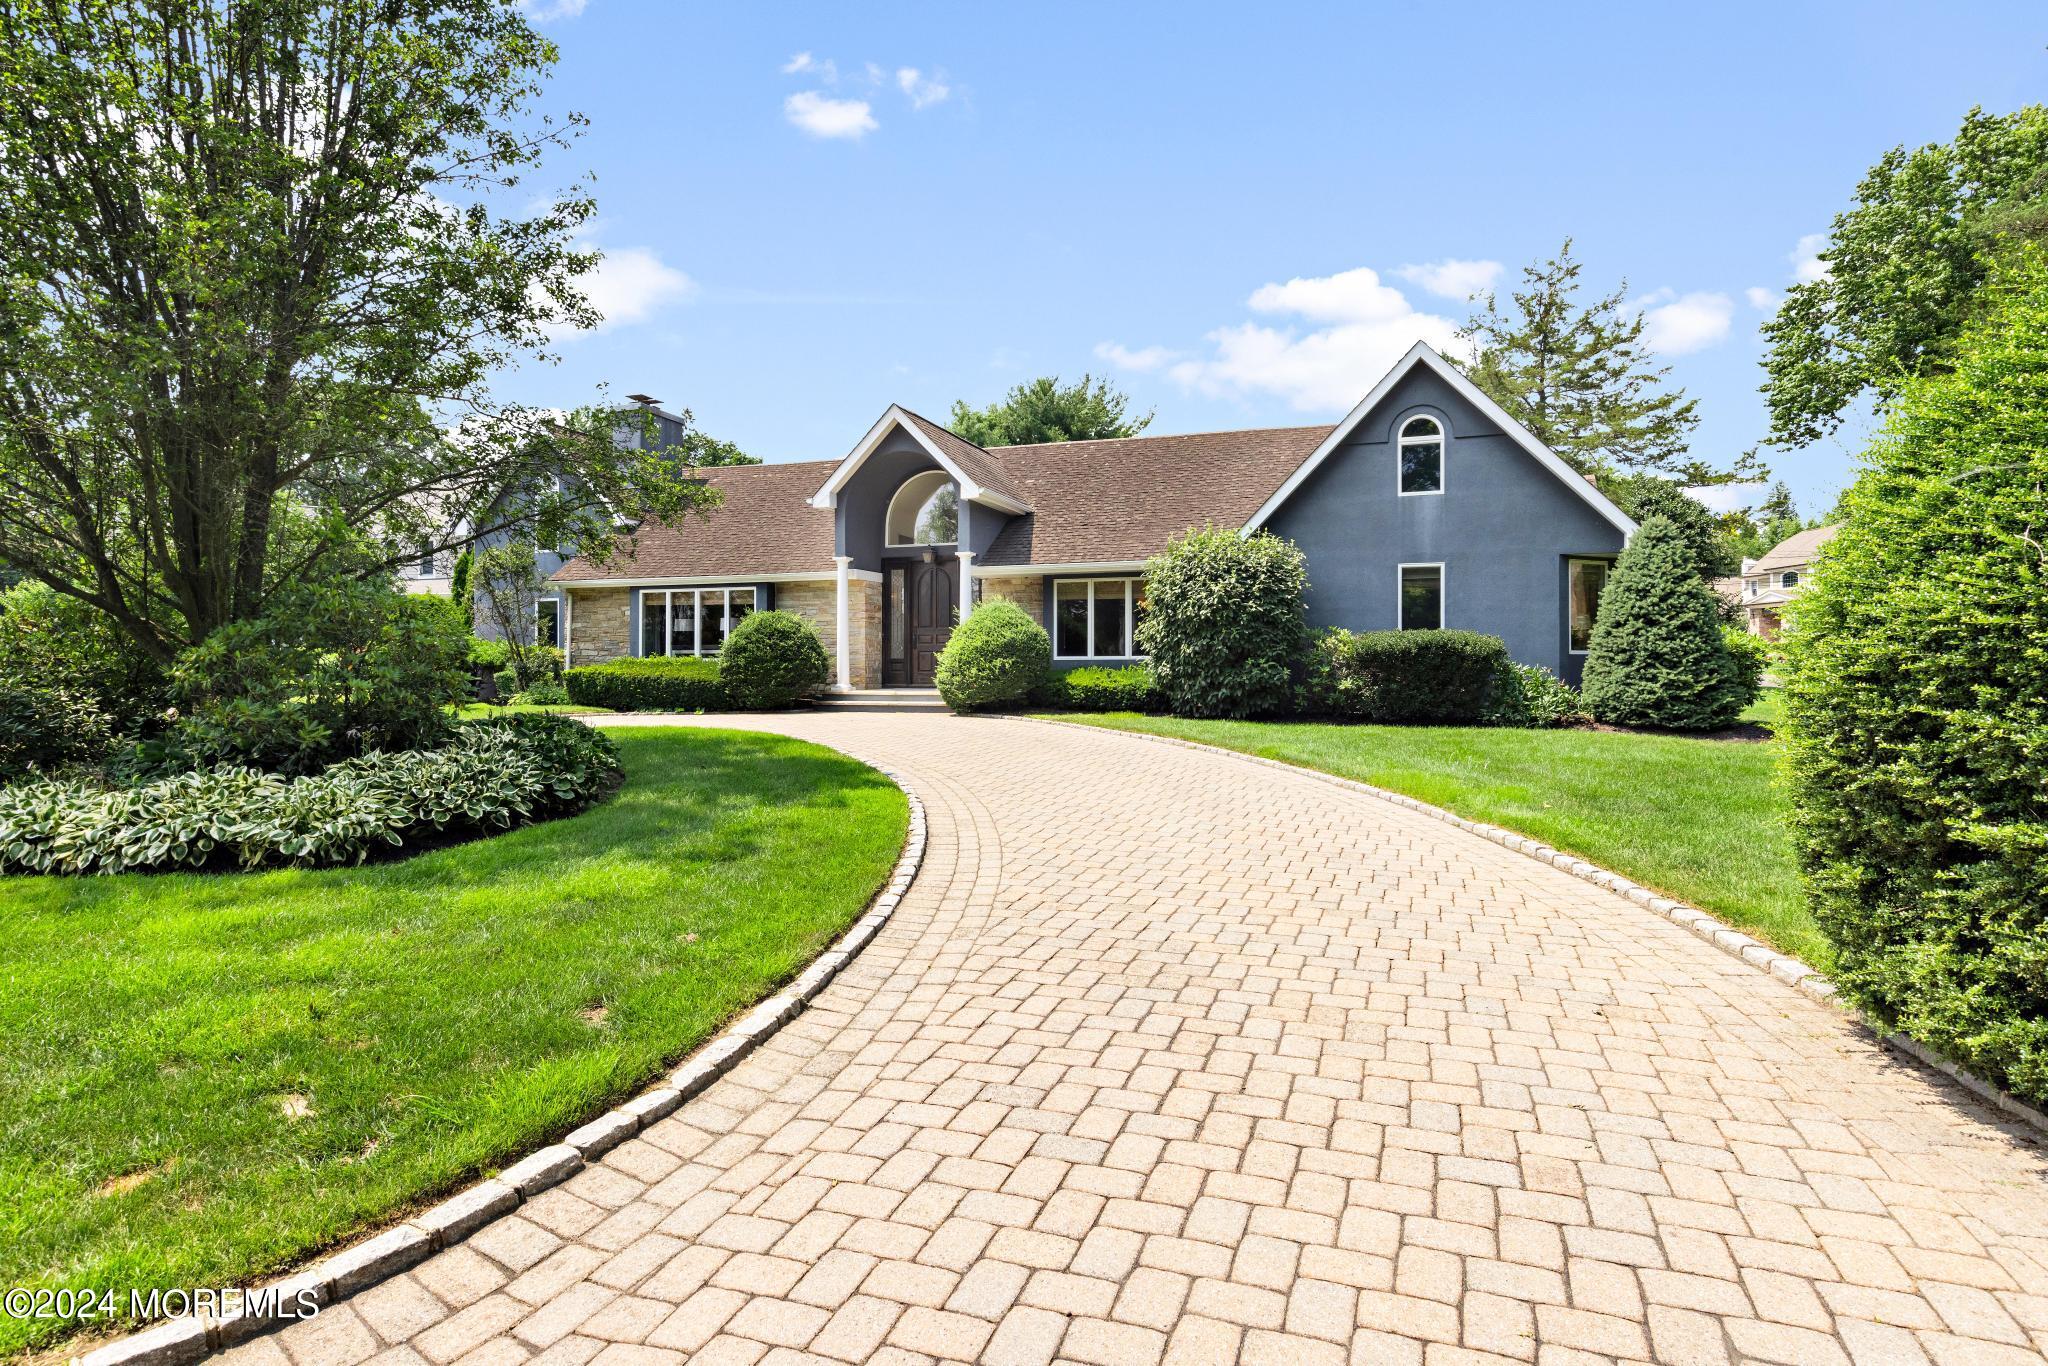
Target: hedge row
x=1417 y=677
x=657 y=684
x=494 y=775
x=1131 y=688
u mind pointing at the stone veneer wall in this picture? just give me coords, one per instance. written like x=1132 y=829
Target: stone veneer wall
x=1026 y=590
x=818 y=603
x=600 y=624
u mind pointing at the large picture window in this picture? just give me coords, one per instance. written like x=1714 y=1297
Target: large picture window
x=1097 y=618
x=690 y=621
x=1422 y=456
x=1588 y=581
x=1422 y=597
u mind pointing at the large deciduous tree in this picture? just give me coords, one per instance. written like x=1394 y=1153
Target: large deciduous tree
x=1578 y=374
x=1090 y=409
x=1902 y=270
x=256 y=283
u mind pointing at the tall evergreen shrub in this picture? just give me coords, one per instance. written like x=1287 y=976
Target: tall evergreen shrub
x=1657 y=657
x=1917 y=699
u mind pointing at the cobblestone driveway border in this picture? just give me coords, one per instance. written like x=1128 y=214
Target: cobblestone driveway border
x=362 y=1265
x=1800 y=976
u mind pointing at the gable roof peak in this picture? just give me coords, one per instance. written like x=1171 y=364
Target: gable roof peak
x=981 y=476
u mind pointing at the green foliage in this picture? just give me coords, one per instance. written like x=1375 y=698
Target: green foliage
x=1917 y=715
x=1531 y=696
x=44 y=728
x=771 y=659
x=1094 y=688
x=1658 y=657
x=1750 y=655
x=1428 y=677
x=255 y=250
x=461 y=591
x=1644 y=496
x=336 y=670
x=1046 y=410
x=1904 y=266
x=994 y=658
x=489 y=654
x=1579 y=376
x=1774 y=520
x=1227 y=624
x=654 y=684
x=48 y=640
x=493 y=775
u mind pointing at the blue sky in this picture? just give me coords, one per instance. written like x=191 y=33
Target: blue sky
x=1239 y=213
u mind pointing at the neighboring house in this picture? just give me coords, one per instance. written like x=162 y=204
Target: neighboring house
x=1427 y=506
x=1777 y=577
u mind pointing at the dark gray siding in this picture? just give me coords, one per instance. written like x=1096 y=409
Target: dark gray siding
x=1502 y=528
x=864 y=502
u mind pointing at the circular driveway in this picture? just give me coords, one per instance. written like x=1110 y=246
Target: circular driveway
x=1171 y=1055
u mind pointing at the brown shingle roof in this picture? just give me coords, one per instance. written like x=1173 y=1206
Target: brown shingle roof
x=1123 y=499
x=1797 y=549
x=765 y=525
x=974 y=461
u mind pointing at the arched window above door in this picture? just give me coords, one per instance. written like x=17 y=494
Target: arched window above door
x=925 y=511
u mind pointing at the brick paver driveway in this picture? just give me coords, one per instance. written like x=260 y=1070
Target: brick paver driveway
x=1173 y=1055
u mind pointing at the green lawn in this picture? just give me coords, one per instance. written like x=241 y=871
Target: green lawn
x=1699 y=820
x=207 y=1078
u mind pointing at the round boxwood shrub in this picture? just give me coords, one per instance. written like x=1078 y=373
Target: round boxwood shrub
x=771 y=659
x=1917 y=706
x=1658 y=658
x=1226 y=626
x=994 y=658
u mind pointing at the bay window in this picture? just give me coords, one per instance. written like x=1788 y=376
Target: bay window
x=690 y=621
x=1097 y=618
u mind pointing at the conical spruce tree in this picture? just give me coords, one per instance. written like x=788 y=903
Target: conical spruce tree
x=1657 y=654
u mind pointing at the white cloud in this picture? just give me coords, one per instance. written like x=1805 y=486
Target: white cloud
x=1727 y=497
x=1453 y=279
x=631 y=283
x=804 y=64
x=547 y=11
x=1676 y=325
x=922 y=89
x=1324 y=369
x=1807 y=266
x=1761 y=298
x=1144 y=359
x=824 y=117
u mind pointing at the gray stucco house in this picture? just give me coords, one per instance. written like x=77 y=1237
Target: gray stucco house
x=1426 y=507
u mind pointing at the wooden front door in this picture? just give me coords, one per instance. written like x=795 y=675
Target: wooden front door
x=918 y=607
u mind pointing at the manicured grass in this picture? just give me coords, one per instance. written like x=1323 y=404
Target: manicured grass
x=470 y=711
x=206 y=1078
x=1700 y=820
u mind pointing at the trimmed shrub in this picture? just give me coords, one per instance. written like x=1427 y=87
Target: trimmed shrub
x=1750 y=655
x=335 y=670
x=491 y=776
x=1657 y=657
x=994 y=658
x=1092 y=688
x=46 y=728
x=1531 y=695
x=658 y=683
x=1917 y=706
x=1226 y=626
x=545 y=692
x=1400 y=677
x=48 y=640
x=771 y=659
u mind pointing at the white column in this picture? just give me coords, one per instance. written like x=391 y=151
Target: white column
x=845 y=620
x=966 y=583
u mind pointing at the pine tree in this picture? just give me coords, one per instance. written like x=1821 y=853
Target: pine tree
x=1658 y=658
x=1579 y=377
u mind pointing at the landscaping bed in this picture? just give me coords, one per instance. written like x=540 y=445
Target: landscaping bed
x=210 y=1077
x=1700 y=820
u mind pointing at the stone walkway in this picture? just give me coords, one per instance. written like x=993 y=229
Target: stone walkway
x=1172 y=1056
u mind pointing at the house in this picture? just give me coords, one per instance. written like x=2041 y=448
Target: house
x=1778 y=576
x=1426 y=507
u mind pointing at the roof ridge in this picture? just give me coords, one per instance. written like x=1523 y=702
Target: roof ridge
x=1161 y=436
x=944 y=428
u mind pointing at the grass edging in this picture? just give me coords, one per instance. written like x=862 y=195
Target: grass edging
x=338 y=1275
x=1800 y=976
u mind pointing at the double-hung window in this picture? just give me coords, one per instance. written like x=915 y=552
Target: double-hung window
x=690 y=621
x=1097 y=618
x=1588 y=581
x=1422 y=597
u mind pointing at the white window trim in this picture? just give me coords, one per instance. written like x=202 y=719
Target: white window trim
x=1443 y=594
x=1130 y=639
x=697 y=614
x=1788 y=578
x=561 y=615
x=889 y=513
x=1571 y=563
x=1443 y=453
